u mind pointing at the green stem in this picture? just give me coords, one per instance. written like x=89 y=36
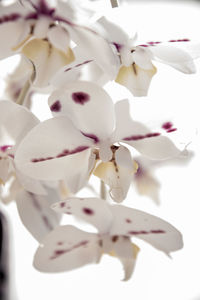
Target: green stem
x=24 y=91
x=103 y=191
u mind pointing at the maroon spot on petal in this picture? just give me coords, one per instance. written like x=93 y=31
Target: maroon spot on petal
x=4 y=148
x=62 y=204
x=114 y=238
x=80 y=97
x=128 y=221
x=88 y=211
x=155 y=231
x=59 y=243
x=68 y=69
x=56 y=106
x=171 y=130
x=167 y=125
x=91 y=136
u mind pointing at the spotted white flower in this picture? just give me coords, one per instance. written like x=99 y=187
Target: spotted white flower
x=87 y=127
x=67 y=247
x=43 y=34
x=137 y=69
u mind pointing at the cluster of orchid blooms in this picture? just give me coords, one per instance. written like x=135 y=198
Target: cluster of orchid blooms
x=45 y=164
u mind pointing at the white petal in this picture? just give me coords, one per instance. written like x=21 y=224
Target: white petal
x=16 y=120
x=90 y=42
x=125 y=126
x=136 y=79
x=114 y=33
x=135 y=223
x=53 y=150
x=92 y=210
x=158 y=147
x=66 y=248
x=4 y=166
x=46 y=59
x=121 y=248
x=11 y=35
x=59 y=38
x=142 y=57
x=175 y=57
x=36 y=214
x=30 y=184
x=88 y=106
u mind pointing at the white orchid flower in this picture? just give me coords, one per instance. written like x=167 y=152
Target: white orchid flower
x=67 y=247
x=137 y=69
x=87 y=127
x=43 y=33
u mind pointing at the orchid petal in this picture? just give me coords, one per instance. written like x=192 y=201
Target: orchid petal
x=13 y=34
x=46 y=59
x=88 y=106
x=134 y=223
x=175 y=57
x=59 y=38
x=142 y=58
x=66 y=248
x=92 y=210
x=62 y=148
x=113 y=32
x=16 y=120
x=135 y=79
x=4 y=166
x=36 y=214
x=117 y=174
x=90 y=43
x=29 y=184
x=121 y=248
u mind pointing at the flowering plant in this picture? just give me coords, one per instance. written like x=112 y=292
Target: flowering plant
x=45 y=165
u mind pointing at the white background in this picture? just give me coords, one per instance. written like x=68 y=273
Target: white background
x=173 y=96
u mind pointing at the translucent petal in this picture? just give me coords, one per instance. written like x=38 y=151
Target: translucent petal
x=135 y=223
x=88 y=106
x=142 y=58
x=46 y=59
x=36 y=214
x=59 y=38
x=61 y=153
x=16 y=120
x=135 y=79
x=90 y=42
x=175 y=57
x=66 y=248
x=92 y=210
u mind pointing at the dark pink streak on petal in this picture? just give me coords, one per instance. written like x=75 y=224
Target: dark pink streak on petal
x=171 y=130
x=10 y=18
x=179 y=40
x=91 y=136
x=64 y=153
x=58 y=253
x=88 y=211
x=156 y=231
x=78 y=65
x=141 y=137
x=56 y=106
x=80 y=97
